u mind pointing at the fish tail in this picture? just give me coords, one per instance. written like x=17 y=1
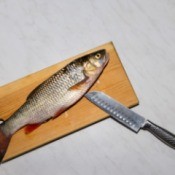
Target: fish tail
x=4 y=142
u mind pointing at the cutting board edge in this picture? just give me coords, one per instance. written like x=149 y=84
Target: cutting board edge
x=137 y=99
x=134 y=102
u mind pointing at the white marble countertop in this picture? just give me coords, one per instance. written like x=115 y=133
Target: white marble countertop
x=37 y=33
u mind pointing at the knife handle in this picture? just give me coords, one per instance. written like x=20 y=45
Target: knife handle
x=161 y=133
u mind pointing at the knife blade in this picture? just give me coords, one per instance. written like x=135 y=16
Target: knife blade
x=129 y=118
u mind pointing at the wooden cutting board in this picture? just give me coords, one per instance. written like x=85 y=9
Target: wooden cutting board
x=113 y=81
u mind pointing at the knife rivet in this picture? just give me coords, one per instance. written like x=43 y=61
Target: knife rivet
x=104 y=105
x=114 y=112
x=92 y=98
x=95 y=99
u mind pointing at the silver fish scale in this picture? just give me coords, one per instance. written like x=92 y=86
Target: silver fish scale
x=59 y=85
x=122 y=114
x=57 y=93
x=47 y=98
x=59 y=82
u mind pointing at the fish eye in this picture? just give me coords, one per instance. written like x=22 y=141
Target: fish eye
x=98 y=55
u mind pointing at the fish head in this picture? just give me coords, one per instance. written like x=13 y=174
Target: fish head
x=95 y=62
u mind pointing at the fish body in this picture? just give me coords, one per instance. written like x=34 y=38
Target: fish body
x=54 y=95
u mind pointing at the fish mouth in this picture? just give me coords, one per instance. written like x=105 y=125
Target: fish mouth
x=106 y=58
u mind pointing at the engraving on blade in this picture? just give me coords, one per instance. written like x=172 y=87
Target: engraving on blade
x=117 y=110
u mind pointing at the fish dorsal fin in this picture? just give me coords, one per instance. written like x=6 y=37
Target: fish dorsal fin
x=39 y=87
x=33 y=92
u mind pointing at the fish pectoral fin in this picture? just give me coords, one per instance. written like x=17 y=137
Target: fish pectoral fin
x=80 y=85
x=31 y=127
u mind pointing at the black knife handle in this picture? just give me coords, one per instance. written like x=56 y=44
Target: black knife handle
x=161 y=133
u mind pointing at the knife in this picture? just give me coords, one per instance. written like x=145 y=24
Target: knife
x=128 y=118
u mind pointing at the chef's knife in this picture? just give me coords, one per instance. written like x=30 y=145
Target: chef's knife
x=130 y=119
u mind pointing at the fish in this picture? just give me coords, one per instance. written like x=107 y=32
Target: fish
x=55 y=95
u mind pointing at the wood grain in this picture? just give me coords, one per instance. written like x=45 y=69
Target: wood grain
x=113 y=81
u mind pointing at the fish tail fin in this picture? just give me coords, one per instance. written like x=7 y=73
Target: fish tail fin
x=4 y=142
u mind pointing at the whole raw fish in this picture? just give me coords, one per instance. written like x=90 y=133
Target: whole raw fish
x=54 y=95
